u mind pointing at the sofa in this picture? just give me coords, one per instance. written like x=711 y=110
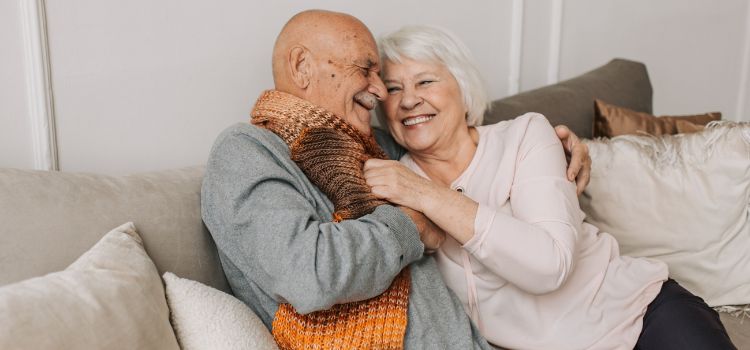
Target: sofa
x=49 y=219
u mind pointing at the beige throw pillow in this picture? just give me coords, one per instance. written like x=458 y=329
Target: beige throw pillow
x=110 y=298
x=207 y=318
x=683 y=199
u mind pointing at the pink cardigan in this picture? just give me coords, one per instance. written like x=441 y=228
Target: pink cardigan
x=535 y=276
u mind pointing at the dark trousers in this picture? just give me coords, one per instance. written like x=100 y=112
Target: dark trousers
x=677 y=319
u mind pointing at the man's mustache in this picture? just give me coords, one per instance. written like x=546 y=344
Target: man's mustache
x=366 y=99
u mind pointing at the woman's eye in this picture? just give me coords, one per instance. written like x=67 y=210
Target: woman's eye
x=426 y=82
x=393 y=89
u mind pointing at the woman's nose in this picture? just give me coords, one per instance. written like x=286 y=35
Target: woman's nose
x=410 y=99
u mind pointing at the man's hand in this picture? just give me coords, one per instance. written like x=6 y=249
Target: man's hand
x=579 y=161
x=431 y=235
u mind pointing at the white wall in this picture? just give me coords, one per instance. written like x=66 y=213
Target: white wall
x=143 y=85
x=694 y=49
x=15 y=129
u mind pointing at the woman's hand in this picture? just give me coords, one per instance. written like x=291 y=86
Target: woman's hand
x=579 y=161
x=451 y=211
x=392 y=181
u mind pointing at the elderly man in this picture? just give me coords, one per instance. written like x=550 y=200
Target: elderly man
x=317 y=274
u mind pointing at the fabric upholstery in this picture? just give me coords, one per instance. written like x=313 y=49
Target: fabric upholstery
x=683 y=199
x=50 y=218
x=109 y=298
x=571 y=102
x=738 y=328
x=207 y=318
x=611 y=121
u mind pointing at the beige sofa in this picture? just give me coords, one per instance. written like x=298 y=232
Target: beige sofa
x=50 y=218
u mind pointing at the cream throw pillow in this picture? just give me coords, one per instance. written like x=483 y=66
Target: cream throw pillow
x=683 y=199
x=207 y=318
x=110 y=298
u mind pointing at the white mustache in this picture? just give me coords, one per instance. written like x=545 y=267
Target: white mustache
x=366 y=99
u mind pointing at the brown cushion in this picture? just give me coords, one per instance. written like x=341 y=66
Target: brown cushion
x=569 y=102
x=611 y=121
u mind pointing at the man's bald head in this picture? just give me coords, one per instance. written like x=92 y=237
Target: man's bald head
x=330 y=59
x=316 y=30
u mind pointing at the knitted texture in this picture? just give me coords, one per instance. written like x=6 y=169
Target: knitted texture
x=331 y=153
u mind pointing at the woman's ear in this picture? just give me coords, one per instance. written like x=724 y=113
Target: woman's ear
x=300 y=66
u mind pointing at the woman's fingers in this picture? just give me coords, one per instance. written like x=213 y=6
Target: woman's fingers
x=584 y=175
x=394 y=182
x=579 y=168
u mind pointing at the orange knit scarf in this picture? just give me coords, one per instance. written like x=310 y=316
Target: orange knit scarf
x=331 y=153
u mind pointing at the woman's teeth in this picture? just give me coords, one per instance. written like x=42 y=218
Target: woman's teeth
x=417 y=120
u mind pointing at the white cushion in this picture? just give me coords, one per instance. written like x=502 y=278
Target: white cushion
x=110 y=298
x=207 y=318
x=684 y=199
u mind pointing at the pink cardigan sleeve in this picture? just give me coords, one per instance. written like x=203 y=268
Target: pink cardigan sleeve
x=534 y=247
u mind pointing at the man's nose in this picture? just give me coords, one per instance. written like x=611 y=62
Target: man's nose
x=377 y=87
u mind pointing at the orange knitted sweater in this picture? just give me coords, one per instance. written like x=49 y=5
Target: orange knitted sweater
x=331 y=153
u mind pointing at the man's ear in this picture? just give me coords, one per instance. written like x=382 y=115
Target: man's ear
x=300 y=66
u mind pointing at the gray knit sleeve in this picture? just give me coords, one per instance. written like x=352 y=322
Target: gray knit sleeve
x=275 y=226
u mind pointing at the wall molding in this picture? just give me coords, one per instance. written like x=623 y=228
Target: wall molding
x=555 y=40
x=516 y=48
x=742 y=92
x=39 y=85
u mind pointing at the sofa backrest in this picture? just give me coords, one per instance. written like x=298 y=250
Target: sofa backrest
x=571 y=102
x=48 y=219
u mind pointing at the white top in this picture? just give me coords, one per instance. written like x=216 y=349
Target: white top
x=534 y=275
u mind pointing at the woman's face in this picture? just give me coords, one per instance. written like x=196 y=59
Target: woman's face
x=424 y=107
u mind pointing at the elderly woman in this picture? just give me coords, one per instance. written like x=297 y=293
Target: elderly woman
x=529 y=271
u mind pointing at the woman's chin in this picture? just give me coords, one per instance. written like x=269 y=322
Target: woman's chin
x=417 y=145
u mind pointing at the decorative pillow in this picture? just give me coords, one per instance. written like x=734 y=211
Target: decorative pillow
x=683 y=199
x=207 y=318
x=611 y=121
x=110 y=298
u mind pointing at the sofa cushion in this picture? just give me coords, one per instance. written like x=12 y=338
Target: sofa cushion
x=109 y=298
x=207 y=318
x=683 y=199
x=611 y=121
x=738 y=328
x=50 y=218
x=571 y=102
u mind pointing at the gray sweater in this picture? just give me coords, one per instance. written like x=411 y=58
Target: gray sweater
x=277 y=243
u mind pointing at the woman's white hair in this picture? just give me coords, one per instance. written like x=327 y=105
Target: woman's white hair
x=438 y=45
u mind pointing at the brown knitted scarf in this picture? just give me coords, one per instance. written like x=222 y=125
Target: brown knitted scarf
x=331 y=153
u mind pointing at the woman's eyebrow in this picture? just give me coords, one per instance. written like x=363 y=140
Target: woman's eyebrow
x=416 y=76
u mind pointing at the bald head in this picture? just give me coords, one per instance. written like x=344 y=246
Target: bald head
x=331 y=60
x=318 y=31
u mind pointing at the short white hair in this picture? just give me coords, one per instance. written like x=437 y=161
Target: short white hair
x=438 y=45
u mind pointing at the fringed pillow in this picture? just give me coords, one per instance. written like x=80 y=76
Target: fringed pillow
x=683 y=199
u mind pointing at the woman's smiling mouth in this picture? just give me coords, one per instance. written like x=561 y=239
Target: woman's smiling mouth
x=417 y=120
